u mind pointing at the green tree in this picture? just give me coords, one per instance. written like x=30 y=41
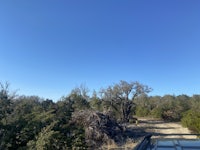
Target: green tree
x=79 y=98
x=5 y=110
x=95 y=102
x=5 y=102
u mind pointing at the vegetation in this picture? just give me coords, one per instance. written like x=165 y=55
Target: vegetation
x=80 y=121
x=171 y=108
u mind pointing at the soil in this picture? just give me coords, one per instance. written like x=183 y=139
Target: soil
x=158 y=128
x=162 y=129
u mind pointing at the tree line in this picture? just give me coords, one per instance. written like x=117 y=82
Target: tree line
x=181 y=108
x=30 y=122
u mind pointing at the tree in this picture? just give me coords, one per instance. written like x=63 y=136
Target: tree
x=95 y=102
x=82 y=91
x=5 y=101
x=120 y=96
x=79 y=97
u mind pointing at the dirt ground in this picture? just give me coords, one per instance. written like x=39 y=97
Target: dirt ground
x=158 y=128
x=161 y=129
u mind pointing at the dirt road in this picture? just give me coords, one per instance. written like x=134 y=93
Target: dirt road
x=163 y=129
x=159 y=129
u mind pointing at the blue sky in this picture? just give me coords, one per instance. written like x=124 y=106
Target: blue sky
x=48 y=47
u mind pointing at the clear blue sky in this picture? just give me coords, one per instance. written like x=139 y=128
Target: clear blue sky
x=48 y=47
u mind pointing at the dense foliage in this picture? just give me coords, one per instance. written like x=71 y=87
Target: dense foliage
x=171 y=108
x=34 y=123
x=79 y=121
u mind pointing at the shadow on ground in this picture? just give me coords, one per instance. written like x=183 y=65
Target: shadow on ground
x=139 y=132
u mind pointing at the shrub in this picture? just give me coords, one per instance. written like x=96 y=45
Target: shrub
x=156 y=113
x=191 y=119
x=142 y=111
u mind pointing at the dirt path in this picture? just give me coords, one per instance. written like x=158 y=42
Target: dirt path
x=165 y=129
x=159 y=129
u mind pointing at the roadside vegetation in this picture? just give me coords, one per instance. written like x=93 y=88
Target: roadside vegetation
x=182 y=108
x=80 y=121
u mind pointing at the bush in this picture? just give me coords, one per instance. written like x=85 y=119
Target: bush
x=156 y=113
x=191 y=119
x=142 y=111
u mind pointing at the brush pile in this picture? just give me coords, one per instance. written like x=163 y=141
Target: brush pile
x=99 y=128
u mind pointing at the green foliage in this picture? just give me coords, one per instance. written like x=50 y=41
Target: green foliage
x=45 y=139
x=168 y=107
x=96 y=104
x=191 y=119
x=157 y=112
x=38 y=124
x=5 y=102
x=32 y=123
x=142 y=111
